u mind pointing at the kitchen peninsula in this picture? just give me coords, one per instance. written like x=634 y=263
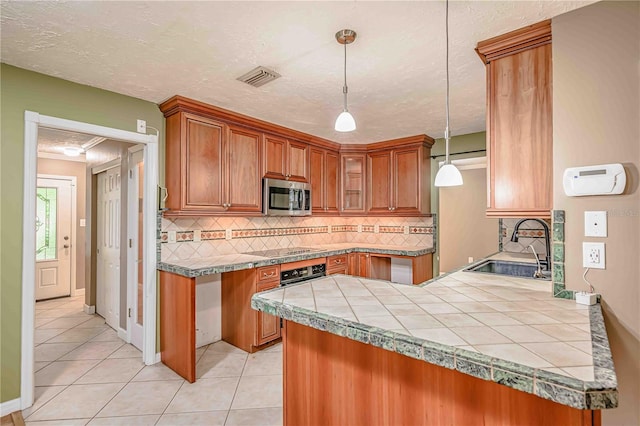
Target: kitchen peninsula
x=466 y=348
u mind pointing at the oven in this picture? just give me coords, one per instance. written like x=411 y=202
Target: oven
x=304 y=273
x=285 y=198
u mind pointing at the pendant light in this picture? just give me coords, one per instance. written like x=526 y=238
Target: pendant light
x=345 y=121
x=448 y=174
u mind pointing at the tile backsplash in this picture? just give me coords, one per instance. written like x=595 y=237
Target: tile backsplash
x=530 y=232
x=227 y=235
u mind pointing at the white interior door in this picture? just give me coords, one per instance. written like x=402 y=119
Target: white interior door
x=136 y=258
x=53 y=238
x=108 y=247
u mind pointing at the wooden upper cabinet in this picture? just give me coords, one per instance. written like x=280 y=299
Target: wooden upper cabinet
x=286 y=159
x=353 y=182
x=399 y=180
x=298 y=161
x=411 y=180
x=324 y=172
x=380 y=182
x=195 y=164
x=244 y=188
x=519 y=122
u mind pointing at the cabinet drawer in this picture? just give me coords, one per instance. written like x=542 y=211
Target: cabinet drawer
x=268 y=273
x=338 y=261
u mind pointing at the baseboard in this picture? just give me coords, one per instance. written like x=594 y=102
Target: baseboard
x=123 y=335
x=9 y=407
x=158 y=357
x=78 y=292
x=89 y=309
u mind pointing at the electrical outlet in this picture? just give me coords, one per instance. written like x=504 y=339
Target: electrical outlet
x=595 y=224
x=593 y=255
x=360 y=227
x=376 y=229
x=172 y=236
x=142 y=126
x=197 y=235
x=470 y=259
x=227 y=234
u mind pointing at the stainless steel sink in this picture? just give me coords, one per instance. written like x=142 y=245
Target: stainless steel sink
x=503 y=267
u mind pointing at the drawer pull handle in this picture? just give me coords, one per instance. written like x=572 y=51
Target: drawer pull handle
x=265 y=275
x=338 y=261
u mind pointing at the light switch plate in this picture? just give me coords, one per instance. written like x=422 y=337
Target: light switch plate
x=83 y=223
x=197 y=235
x=595 y=224
x=172 y=236
x=593 y=255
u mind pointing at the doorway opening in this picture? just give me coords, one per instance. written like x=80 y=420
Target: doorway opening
x=51 y=194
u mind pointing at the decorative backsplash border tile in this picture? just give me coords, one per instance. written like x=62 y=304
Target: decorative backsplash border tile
x=421 y=229
x=275 y=232
x=344 y=228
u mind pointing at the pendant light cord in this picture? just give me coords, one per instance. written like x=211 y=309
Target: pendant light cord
x=446 y=130
x=344 y=88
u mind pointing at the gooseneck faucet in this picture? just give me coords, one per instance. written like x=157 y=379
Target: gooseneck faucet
x=514 y=237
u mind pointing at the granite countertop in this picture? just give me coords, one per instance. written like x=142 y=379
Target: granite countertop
x=504 y=329
x=197 y=267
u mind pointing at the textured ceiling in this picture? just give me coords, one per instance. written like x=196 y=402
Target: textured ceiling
x=55 y=141
x=396 y=67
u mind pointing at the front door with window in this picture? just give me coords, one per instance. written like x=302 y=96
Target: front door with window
x=53 y=238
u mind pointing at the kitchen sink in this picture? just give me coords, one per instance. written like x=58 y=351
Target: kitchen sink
x=514 y=269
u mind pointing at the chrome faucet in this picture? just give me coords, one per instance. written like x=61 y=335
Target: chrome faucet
x=538 y=273
x=514 y=238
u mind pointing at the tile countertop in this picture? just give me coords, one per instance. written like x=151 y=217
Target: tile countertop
x=197 y=267
x=504 y=329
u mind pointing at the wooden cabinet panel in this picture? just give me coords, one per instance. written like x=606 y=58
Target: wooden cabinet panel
x=353 y=264
x=323 y=177
x=317 y=180
x=380 y=182
x=298 y=161
x=275 y=150
x=178 y=324
x=244 y=182
x=332 y=172
x=407 y=180
x=203 y=164
x=267 y=326
x=285 y=159
x=364 y=265
x=353 y=183
x=268 y=273
x=332 y=380
x=338 y=264
x=519 y=122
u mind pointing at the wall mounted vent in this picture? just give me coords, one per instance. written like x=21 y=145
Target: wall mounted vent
x=259 y=76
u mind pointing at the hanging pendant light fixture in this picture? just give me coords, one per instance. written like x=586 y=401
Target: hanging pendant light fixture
x=448 y=174
x=345 y=121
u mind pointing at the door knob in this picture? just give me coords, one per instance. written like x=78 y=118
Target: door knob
x=66 y=238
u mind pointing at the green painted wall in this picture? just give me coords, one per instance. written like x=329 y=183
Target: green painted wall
x=22 y=90
x=462 y=143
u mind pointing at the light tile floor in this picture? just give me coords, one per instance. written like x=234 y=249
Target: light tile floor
x=85 y=374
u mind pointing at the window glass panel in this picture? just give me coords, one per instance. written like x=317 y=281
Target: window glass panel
x=46 y=223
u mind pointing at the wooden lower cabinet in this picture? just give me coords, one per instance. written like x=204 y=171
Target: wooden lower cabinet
x=178 y=324
x=242 y=326
x=338 y=264
x=267 y=326
x=332 y=380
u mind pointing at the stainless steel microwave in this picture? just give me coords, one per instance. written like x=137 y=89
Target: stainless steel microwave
x=285 y=198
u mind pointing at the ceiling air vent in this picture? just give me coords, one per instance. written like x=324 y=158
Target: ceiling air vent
x=259 y=76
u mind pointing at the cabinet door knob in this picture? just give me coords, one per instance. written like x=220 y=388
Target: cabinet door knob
x=264 y=274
